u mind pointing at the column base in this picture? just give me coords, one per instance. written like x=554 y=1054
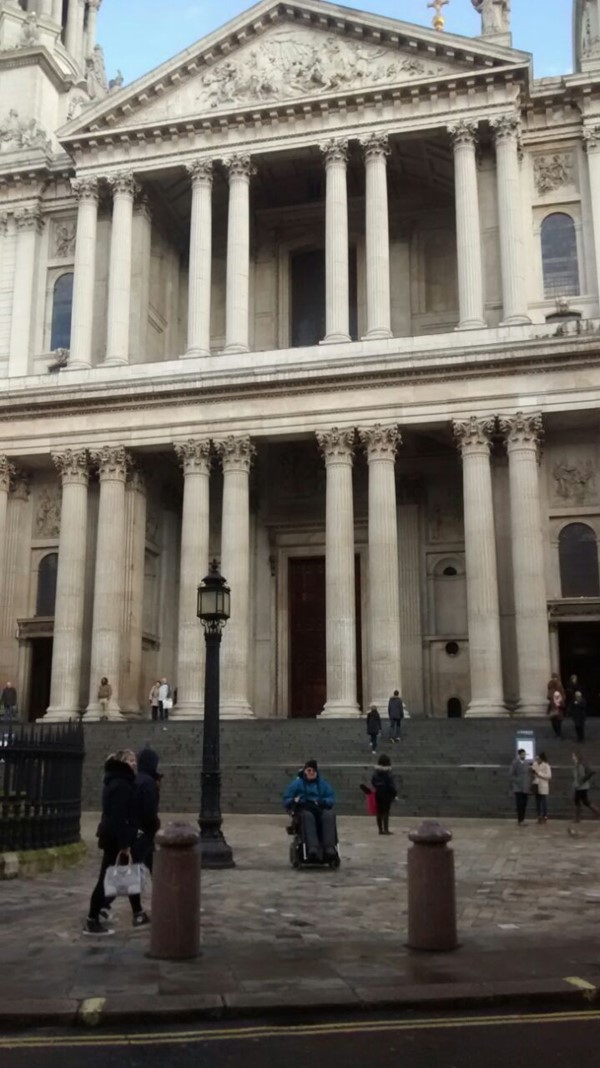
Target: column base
x=336 y=338
x=192 y=353
x=234 y=710
x=93 y=714
x=76 y=365
x=114 y=361
x=516 y=320
x=486 y=710
x=59 y=715
x=340 y=710
x=234 y=347
x=531 y=707
x=187 y=711
x=378 y=333
x=471 y=324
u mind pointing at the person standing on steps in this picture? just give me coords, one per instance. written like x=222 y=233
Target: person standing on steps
x=104 y=696
x=554 y=684
x=165 y=699
x=154 y=700
x=386 y=793
x=520 y=781
x=396 y=715
x=373 y=727
x=556 y=711
x=577 y=710
x=8 y=700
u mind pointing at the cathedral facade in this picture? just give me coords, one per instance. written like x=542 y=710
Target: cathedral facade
x=318 y=298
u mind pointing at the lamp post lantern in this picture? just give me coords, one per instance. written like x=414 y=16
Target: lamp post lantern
x=213 y=610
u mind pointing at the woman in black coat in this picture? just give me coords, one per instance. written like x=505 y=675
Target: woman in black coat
x=116 y=835
x=384 y=786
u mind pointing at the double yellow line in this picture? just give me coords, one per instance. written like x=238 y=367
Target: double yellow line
x=245 y=1034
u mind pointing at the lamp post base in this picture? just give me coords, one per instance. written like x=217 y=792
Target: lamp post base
x=216 y=853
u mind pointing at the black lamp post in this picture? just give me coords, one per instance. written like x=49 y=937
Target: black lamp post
x=214 y=611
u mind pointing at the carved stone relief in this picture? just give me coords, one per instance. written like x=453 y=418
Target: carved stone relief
x=574 y=482
x=16 y=133
x=63 y=239
x=47 y=514
x=552 y=172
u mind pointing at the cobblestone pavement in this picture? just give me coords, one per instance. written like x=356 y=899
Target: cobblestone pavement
x=266 y=927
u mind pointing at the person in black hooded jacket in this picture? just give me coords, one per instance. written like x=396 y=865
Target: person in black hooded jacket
x=145 y=805
x=116 y=836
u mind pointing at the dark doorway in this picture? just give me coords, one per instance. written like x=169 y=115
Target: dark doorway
x=308 y=297
x=39 y=684
x=307 y=656
x=454 y=708
x=579 y=645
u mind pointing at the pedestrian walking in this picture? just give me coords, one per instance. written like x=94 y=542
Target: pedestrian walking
x=541 y=773
x=154 y=700
x=396 y=715
x=165 y=699
x=373 y=727
x=577 y=710
x=8 y=701
x=571 y=688
x=554 y=684
x=582 y=781
x=116 y=835
x=556 y=711
x=145 y=805
x=520 y=781
x=104 y=696
x=386 y=793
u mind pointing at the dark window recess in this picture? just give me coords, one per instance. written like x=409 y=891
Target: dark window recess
x=454 y=708
x=452 y=649
x=559 y=256
x=450 y=571
x=62 y=307
x=308 y=297
x=46 y=590
x=578 y=559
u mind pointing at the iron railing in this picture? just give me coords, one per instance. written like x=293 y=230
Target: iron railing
x=40 y=785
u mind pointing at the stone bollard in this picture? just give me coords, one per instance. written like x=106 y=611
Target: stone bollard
x=175 y=931
x=431 y=893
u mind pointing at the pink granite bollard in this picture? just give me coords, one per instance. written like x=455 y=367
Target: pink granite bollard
x=175 y=932
x=431 y=889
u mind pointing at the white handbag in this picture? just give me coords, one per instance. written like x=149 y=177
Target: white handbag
x=121 y=880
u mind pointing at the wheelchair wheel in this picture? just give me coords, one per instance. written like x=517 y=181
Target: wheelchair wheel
x=294 y=859
x=335 y=861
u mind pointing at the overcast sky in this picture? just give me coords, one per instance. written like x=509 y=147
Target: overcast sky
x=138 y=35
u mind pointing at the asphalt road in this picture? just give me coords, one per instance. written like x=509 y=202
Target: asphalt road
x=554 y=1039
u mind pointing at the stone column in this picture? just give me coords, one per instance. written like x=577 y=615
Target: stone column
x=45 y=9
x=141 y=265
x=381 y=443
x=133 y=599
x=468 y=230
x=523 y=434
x=57 y=12
x=337 y=284
x=591 y=140
x=512 y=256
x=72 y=32
x=236 y=455
x=91 y=30
x=65 y=688
x=198 y=341
x=29 y=226
x=376 y=149
x=119 y=278
x=237 y=337
x=340 y=592
x=112 y=463
x=474 y=439
x=194 y=457
x=84 y=281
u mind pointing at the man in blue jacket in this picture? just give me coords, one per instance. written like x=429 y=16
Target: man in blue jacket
x=313 y=798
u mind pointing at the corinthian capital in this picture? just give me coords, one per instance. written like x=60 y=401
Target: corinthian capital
x=377 y=146
x=123 y=184
x=200 y=171
x=506 y=128
x=29 y=219
x=521 y=429
x=463 y=132
x=85 y=188
x=3 y=224
x=72 y=465
x=474 y=433
x=7 y=473
x=194 y=456
x=591 y=138
x=380 y=442
x=112 y=462
x=335 y=151
x=337 y=446
x=236 y=453
x=239 y=166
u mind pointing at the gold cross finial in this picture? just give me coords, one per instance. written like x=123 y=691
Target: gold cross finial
x=438 y=19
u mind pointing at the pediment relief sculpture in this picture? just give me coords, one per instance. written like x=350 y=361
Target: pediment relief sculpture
x=17 y=133
x=552 y=172
x=573 y=482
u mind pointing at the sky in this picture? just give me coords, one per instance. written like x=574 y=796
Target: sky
x=138 y=35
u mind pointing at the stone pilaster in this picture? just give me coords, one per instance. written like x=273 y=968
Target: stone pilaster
x=337 y=447
x=133 y=593
x=523 y=435
x=112 y=463
x=65 y=688
x=381 y=444
x=512 y=257
x=236 y=456
x=84 y=281
x=198 y=341
x=73 y=29
x=376 y=149
x=29 y=225
x=468 y=231
x=119 y=280
x=195 y=459
x=237 y=313
x=474 y=437
x=591 y=141
x=141 y=266
x=337 y=291
x=7 y=472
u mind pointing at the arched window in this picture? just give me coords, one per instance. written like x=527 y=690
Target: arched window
x=578 y=558
x=559 y=256
x=62 y=306
x=46 y=590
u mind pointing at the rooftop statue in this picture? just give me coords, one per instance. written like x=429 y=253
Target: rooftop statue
x=495 y=15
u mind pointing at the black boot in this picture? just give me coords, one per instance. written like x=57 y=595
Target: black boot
x=380 y=824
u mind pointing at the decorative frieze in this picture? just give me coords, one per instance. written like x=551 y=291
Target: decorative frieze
x=194 y=456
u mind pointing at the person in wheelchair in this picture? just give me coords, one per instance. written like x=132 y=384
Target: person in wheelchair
x=310 y=799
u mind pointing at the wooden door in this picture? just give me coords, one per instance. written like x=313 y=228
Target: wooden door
x=308 y=680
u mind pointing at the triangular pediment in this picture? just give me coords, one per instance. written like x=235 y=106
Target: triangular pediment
x=280 y=53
